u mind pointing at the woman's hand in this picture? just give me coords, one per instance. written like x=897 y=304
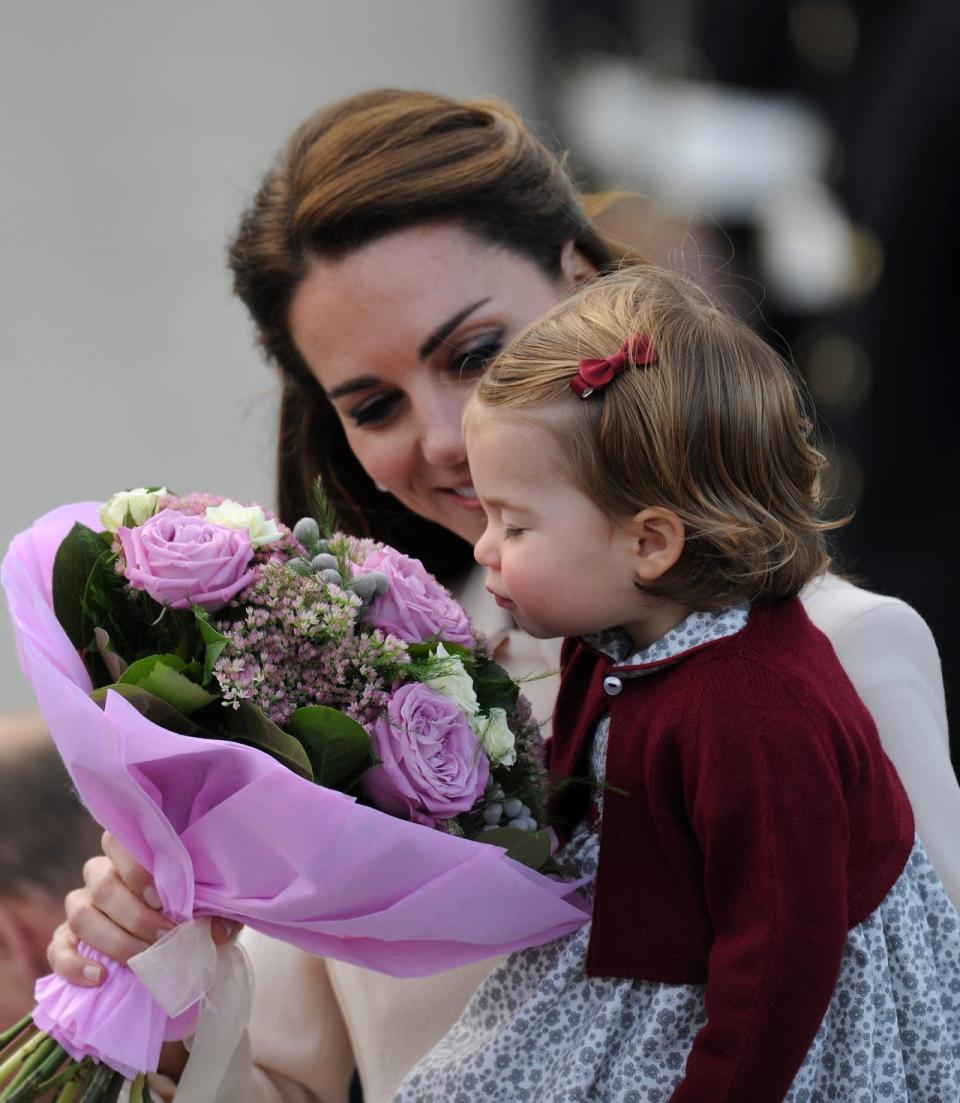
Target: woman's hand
x=116 y=912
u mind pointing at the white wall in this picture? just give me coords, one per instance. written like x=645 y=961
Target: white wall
x=132 y=134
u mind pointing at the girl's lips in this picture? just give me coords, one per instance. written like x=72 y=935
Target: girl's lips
x=503 y=602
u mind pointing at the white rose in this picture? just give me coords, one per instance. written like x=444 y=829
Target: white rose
x=137 y=505
x=232 y=515
x=496 y=738
x=456 y=683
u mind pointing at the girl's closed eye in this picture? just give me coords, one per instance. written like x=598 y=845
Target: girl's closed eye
x=511 y=533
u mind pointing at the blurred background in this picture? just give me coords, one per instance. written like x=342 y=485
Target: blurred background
x=794 y=154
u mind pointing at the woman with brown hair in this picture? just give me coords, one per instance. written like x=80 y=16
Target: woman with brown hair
x=401 y=240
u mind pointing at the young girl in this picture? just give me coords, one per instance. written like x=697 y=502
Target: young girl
x=765 y=924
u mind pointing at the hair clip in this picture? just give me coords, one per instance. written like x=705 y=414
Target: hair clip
x=594 y=375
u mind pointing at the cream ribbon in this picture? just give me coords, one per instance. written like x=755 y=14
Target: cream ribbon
x=183 y=967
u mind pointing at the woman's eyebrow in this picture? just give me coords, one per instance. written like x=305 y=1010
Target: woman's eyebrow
x=432 y=343
x=360 y=383
x=441 y=333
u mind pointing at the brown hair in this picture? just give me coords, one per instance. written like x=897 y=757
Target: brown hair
x=715 y=430
x=369 y=165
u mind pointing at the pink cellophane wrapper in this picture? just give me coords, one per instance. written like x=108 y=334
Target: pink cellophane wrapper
x=225 y=830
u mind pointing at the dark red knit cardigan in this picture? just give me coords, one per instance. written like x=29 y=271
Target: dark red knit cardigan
x=758 y=821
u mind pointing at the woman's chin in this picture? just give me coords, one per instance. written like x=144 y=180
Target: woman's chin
x=463 y=516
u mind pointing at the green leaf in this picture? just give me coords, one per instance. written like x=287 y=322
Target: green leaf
x=167 y=677
x=153 y=708
x=214 y=642
x=338 y=747
x=494 y=687
x=248 y=725
x=327 y=520
x=530 y=848
x=426 y=649
x=73 y=565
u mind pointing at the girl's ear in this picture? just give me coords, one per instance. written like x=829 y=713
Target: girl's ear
x=575 y=269
x=658 y=536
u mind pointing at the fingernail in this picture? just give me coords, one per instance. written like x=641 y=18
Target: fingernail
x=152 y=897
x=92 y=973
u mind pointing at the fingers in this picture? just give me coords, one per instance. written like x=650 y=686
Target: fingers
x=108 y=915
x=133 y=875
x=65 y=961
x=88 y=921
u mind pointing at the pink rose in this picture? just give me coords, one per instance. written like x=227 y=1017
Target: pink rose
x=431 y=765
x=180 y=559
x=415 y=606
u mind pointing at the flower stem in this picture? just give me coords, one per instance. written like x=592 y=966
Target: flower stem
x=34 y=1060
x=46 y=1076
x=114 y=1087
x=17 y=1058
x=76 y=1078
x=99 y=1083
x=15 y=1031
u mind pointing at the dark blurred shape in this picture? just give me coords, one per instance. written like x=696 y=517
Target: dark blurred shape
x=45 y=837
x=878 y=351
x=898 y=117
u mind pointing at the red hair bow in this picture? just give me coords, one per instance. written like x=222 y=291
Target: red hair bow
x=594 y=375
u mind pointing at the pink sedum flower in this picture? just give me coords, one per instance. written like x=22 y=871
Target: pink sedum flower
x=415 y=607
x=431 y=766
x=180 y=559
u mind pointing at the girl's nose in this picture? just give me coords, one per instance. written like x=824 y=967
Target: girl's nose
x=485 y=551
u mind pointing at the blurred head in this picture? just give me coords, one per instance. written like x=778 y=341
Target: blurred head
x=713 y=434
x=45 y=837
x=400 y=241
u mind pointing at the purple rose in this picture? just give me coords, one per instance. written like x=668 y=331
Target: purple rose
x=432 y=767
x=415 y=606
x=179 y=559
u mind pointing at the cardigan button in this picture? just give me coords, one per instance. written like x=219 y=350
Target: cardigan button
x=612 y=685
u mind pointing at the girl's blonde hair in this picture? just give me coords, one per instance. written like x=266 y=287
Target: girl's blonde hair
x=716 y=430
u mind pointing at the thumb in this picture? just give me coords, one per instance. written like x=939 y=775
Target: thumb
x=223 y=930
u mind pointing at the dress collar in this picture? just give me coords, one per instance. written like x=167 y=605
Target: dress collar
x=695 y=631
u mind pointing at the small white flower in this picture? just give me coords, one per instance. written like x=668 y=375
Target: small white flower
x=138 y=505
x=456 y=683
x=232 y=515
x=496 y=738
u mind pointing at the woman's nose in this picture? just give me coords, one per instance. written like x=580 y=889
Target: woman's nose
x=441 y=437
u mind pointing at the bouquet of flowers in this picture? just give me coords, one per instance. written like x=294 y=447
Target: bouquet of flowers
x=295 y=730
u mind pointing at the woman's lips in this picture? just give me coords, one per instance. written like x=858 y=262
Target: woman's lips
x=465 y=496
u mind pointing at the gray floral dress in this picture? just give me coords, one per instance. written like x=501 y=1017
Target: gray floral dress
x=540 y=1030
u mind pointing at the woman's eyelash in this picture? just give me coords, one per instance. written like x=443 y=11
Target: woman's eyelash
x=376 y=410
x=475 y=360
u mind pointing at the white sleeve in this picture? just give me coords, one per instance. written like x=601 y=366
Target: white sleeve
x=297 y=1049
x=301 y=1052
x=889 y=655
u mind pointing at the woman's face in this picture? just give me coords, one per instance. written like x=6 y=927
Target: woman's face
x=398 y=332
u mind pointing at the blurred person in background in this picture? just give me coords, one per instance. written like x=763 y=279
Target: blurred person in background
x=45 y=837
x=399 y=243
x=853 y=254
